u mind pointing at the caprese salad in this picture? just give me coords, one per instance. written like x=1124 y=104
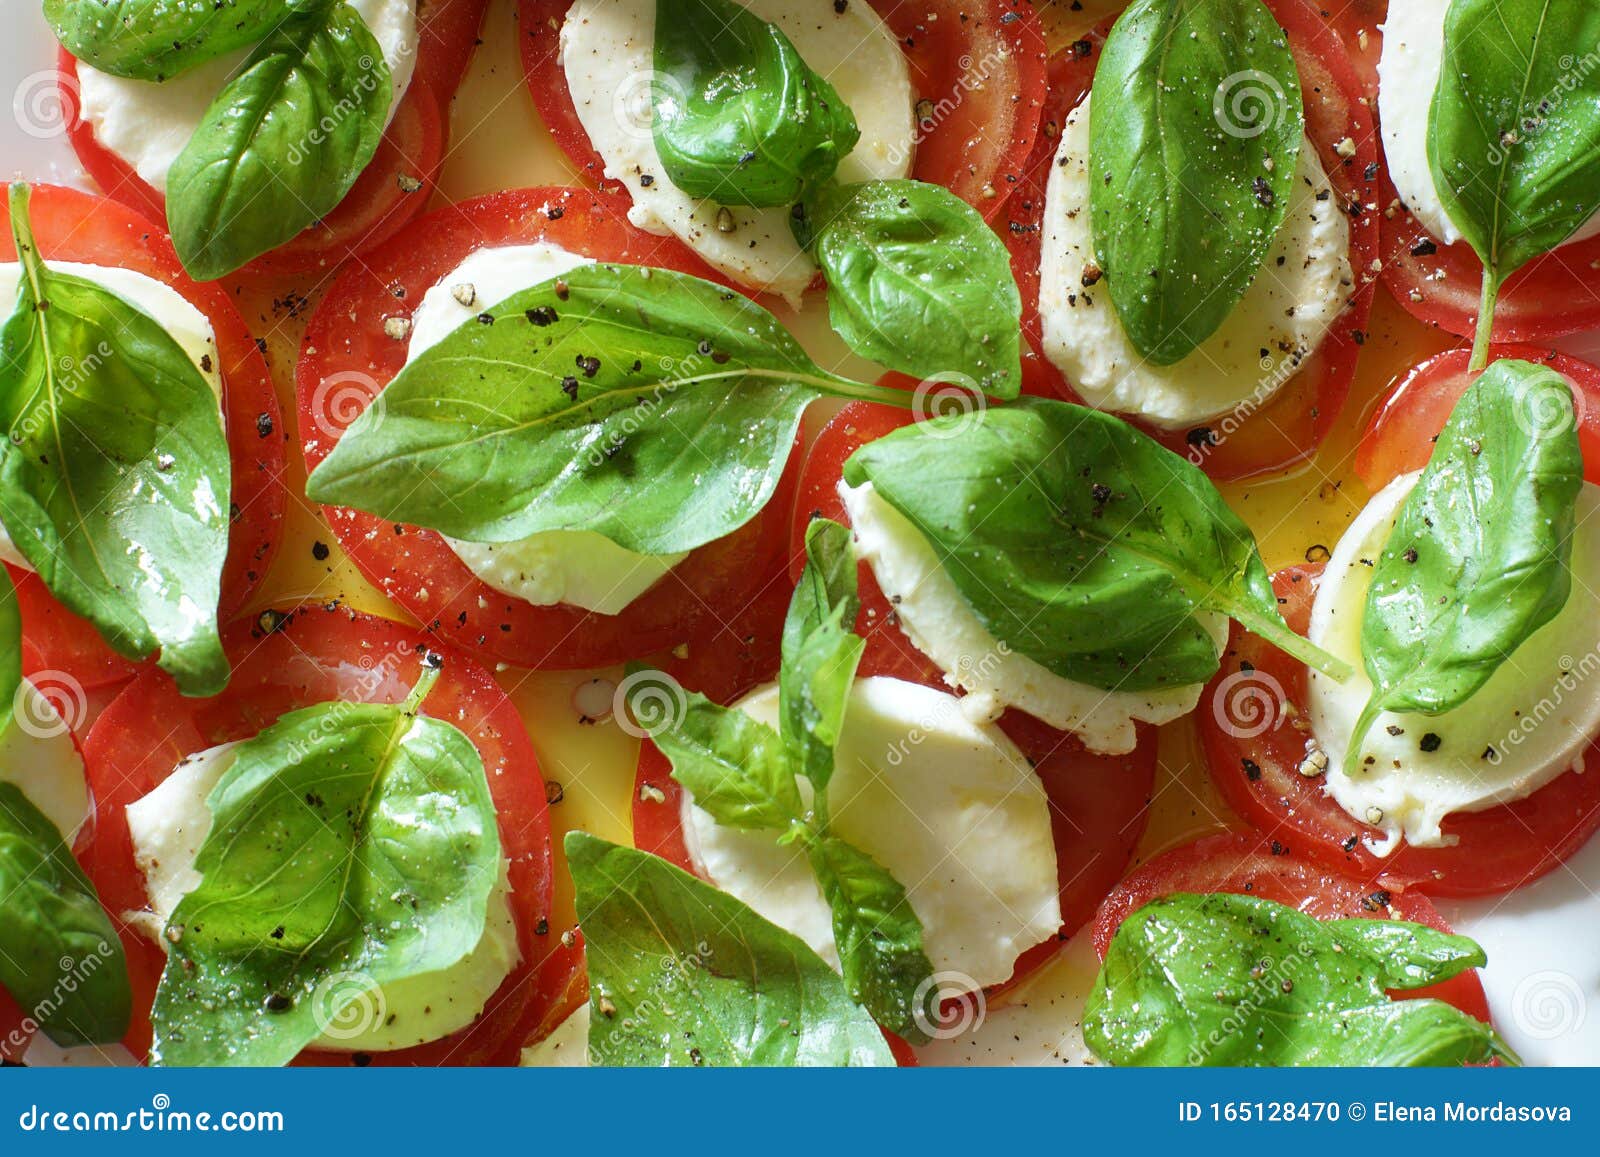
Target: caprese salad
x=866 y=428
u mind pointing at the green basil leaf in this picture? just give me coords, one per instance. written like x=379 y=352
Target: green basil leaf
x=737 y=768
x=10 y=647
x=1514 y=129
x=347 y=839
x=820 y=651
x=1081 y=542
x=60 y=957
x=115 y=439
x=879 y=938
x=1195 y=129
x=1479 y=558
x=1237 y=980
x=282 y=143
x=158 y=39
x=918 y=281
x=738 y=117
x=649 y=406
x=682 y=974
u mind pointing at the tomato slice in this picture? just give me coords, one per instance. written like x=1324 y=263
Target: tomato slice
x=347 y=359
x=978 y=65
x=1247 y=864
x=1098 y=804
x=283 y=662
x=1288 y=428
x=16 y=1029
x=393 y=189
x=74 y=226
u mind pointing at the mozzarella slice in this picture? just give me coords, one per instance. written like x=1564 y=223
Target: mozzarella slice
x=37 y=754
x=1301 y=289
x=950 y=807
x=167 y=828
x=608 y=53
x=157 y=300
x=148 y=123
x=565 y=1048
x=577 y=567
x=1408 y=76
x=1530 y=723
x=941 y=624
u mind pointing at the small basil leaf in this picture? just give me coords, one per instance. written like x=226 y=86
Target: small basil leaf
x=347 y=838
x=282 y=143
x=1195 y=129
x=879 y=937
x=1514 y=130
x=1237 y=980
x=820 y=651
x=737 y=768
x=738 y=117
x=1479 y=556
x=918 y=281
x=60 y=956
x=10 y=648
x=158 y=39
x=1081 y=542
x=682 y=974
x=649 y=406
x=115 y=439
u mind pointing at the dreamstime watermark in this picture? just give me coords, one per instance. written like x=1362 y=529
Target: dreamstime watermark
x=72 y=973
x=948 y=404
x=1270 y=980
x=1546 y=413
x=1575 y=71
x=348 y=1004
x=42 y=103
x=648 y=702
x=1248 y=704
x=1547 y=1005
x=158 y=1117
x=353 y=102
x=948 y=1005
x=973 y=77
x=634 y=102
x=71 y=374
x=675 y=982
x=1248 y=104
x=49 y=703
x=1574 y=673
x=1204 y=440
x=339 y=399
x=365 y=687
x=970 y=671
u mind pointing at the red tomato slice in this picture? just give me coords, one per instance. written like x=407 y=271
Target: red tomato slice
x=978 y=67
x=320 y=654
x=74 y=226
x=1288 y=428
x=16 y=1029
x=1098 y=804
x=347 y=359
x=393 y=189
x=1247 y=864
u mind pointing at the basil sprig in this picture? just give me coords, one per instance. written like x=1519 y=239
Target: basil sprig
x=1514 y=133
x=158 y=39
x=352 y=845
x=60 y=957
x=743 y=773
x=683 y=974
x=282 y=143
x=1195 y=130
x=917 y=280
x=1480 y=555
x=649 y=406
x=115 y=438
x=1080 y=542
x=738 y=117
x=1230 y=980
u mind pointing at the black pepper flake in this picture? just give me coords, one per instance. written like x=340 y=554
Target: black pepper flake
x=277 y=1002
x=589 y=365
x=542 y=928
x=360 y=1060
x=555 y=213
x=1278 y=849
x=432 y=660
x=1377 y=901
x=1430 y=742
x=1350 y=843
x=1263 y=191
x=1410 y=554
x=1082 y=49
x=1252 y=770
x=319 y=551
x=486 y=319
x=1201 y=436
x=263 y=425
x=554 y=793
x=1424 y=248
x=646 y=180
x=569 y=387
x=1371 y=171
x=205 y=363
x=271 y=621
x=542 y=315
x=839 y=6
x=1395 y=730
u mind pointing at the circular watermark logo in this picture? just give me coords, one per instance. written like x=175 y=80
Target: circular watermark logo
x=647 y=703
x=1248 y=104
x=949 y=404
x=341 y=398
x=346 y=1005
x=1248 y=704
x=634 y=102
x=49 y=703
x=948 y=1005
x=42 y=103
x=1550 y=1004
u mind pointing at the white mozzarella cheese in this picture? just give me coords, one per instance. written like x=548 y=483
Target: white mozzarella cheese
x=157 y=300
x=576 y=567
x=148 y=123
x=1408 y=75
x=567 y=1047
x=950 y=807
x=1301 y=289
x=607 y=53
x=941 y=624
x=1529 y=724
x=167 y=828
x=37 y=754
